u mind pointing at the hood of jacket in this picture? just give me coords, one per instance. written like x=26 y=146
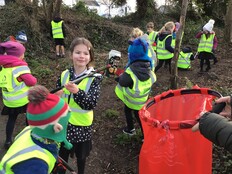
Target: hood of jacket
x=8 y=61
x=57 y=19
x=141 y=69
x=163 y=35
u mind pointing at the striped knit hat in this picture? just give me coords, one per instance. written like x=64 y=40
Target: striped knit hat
x=48 y=115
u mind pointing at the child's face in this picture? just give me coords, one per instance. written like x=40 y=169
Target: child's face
x=149 y=29
x=81 y=55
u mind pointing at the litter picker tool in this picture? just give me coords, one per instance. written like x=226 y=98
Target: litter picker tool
x=90 y=73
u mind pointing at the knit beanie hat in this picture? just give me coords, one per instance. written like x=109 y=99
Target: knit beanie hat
x=48 y=115
x=12 y=48
x=138 y=50
x=21 y=37
x=209 y=26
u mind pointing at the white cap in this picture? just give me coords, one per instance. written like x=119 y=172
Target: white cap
x=114 y=53
x=209 y=26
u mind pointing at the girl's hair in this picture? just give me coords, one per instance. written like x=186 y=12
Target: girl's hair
x=168 y=27
x=136 y=32
x=86 y=42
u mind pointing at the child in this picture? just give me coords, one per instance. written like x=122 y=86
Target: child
x=82 y=99
x=165 y=51
x=151 y=34
x=15 y=81
x=35 y=149
x=21 y=37
x=58 y=34
x=137 y=33
x=185 y=58
x=207 y=46
x=135 y=83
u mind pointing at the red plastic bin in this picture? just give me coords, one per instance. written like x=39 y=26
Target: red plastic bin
x=170 y=147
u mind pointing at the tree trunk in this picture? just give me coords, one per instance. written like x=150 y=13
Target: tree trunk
x=57 y=8
x=174 y=74
x=145 y=8
x=49 y=11
x=228 y=23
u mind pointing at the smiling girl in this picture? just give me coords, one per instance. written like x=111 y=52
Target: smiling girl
x=82 y=99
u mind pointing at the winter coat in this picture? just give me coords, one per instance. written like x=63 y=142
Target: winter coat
x=217 y=129
x=168 y=41
x=140 y=68
x=215 y=40
x=8 y=61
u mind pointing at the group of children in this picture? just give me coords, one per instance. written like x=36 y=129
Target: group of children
x=48 y=115
x=60 y=124
x=163 y=43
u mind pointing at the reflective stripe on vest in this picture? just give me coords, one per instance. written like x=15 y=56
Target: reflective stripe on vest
x=15 y=92
x=79 y=116
x=136 y=97
x=184 y=60
x=18 y=153
x=152 y=55
x=205 y=44
x=162 y=53
x=57 y=32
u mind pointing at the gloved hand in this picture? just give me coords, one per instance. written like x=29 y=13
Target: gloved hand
x=112 y=70
x=222 y=107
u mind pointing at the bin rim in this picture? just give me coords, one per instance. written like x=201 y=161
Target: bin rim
x=171 y=93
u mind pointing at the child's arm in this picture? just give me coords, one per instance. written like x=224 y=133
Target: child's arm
x=28 y=79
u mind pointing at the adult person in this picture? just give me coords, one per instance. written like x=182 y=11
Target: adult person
x=217 y=127
x=15 y=81
x=35 y=149
x=58 y=34
x=82 y=99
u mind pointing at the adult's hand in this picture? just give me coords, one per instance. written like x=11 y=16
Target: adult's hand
x=226 y=112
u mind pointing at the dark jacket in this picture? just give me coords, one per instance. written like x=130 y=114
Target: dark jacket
x=188 y=50
x=217 y=129
x=56 y=20
x=141 y=69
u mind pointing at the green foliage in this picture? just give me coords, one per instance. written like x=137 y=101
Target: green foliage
x=124 y=139
x=111 y=114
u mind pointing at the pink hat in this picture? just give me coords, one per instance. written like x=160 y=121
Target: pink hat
x=12 y=48
x=177 y=26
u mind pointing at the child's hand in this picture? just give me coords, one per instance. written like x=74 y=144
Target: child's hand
x=59 y=93
x=72 y=87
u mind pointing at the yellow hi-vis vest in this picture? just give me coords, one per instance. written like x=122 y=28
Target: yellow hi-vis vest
x=57 y=32
x=136 y=97
x=205 y=44
x=14 y=92
x=152 y=37
x=19 y=152
x=184 y=60
x=79 y=116
x=162 y=53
